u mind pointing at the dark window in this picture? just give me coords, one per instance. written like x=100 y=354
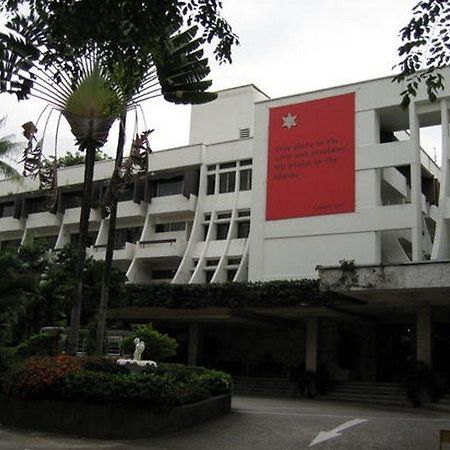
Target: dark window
x=167 y=227
x=231 y=274
x=243 y=229
x=211 y=167
x=73 y=199
x=212 y=262
x=245 y=213
x=208 y=275
x=246 y=162
x=227 y=182
x=75 y=237
x=163 y=274
x=12 y=245
x=125 y=235
x=49 y=241
x=234 y=261
x=207 y=216
x=171 y=186
x=211 y=185
x=245 y=180
x=7 y=209
x=126 y=193
x=222 y=231
x=224 y=215
x=227 y=165
x=205 y=231
x=37 y=205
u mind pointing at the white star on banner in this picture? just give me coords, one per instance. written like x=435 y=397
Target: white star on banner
x=289 y=121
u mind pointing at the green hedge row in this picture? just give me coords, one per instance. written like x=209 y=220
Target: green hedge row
x=103 y=382
x=228 y=295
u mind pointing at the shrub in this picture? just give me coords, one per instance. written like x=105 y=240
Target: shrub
x=7 y=358
x=94 y=381
x=38 y=377
x=104 y=365
x=41 y=344
x=158 y=346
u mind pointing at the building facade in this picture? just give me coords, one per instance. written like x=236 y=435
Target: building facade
x=304 y=186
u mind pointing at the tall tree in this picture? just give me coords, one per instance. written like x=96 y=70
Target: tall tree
x=138 y=43
x=7 y=147
x=425 y=48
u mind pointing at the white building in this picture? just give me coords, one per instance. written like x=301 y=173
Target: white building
x=270 y=189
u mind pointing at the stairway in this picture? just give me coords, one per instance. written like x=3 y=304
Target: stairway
x=387 y=394
x=279 y=387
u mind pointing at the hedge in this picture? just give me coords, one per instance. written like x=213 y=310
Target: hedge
x=230 y=295
x=91 y=381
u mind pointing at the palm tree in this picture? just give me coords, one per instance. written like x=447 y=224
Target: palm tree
x=91 y=98
x=7 y=147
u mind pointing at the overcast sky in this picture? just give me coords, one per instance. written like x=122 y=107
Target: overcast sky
x=287 y=47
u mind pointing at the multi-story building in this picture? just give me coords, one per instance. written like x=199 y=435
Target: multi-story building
x=271 y=189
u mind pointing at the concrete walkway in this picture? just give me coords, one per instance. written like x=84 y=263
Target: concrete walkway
x=268 y=424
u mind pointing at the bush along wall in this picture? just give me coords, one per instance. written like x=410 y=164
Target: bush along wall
x=230 y=295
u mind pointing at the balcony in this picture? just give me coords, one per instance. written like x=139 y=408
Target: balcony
x=123 y=254
x=10 y=224
x=72 y=216
x=161 y=248
x=130 y=209
x=170 y=204
x=42 y=220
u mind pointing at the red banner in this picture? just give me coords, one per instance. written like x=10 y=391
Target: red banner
x=311 y=159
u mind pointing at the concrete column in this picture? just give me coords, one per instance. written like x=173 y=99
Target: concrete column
x=312 y=328
x=416 y=184
x=424 y=335
x=194 y=344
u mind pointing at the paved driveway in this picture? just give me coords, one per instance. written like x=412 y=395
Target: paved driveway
x=268 y=424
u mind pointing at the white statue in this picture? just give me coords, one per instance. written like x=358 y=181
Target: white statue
x=139 y=349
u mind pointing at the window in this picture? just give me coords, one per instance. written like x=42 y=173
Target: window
x=231 y=274
x=234 y=261
x=205 y=231
x=227 y=182
x=73 y=199
x=7 y=209
x=168 y=227
x=243 y=229
x=224 y=215
x=245 y=180
x=163 y=274
x=244 y=213
x=222 y=231
x=211 y=167
x=38 y=205
x=208 y=275
x=211 y=185
x=245 y=162
x=212 y=262
x=171 y=186
x=49 y=241
x=126 y=193
x=227 y=165
x=125 y=235
x=207 y=217
x=12 y=245
x=75 y=237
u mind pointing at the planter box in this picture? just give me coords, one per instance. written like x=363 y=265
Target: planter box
x=105 y=421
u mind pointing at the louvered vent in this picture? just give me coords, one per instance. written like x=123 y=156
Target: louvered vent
x=244 y=133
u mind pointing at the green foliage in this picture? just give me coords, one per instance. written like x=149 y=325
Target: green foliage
x=7 y=358
x=41 y=344
x=227 y=295
x=158 y=346
x=424 y=49
x=74 y=159
x=96 y=381
x=7 y=148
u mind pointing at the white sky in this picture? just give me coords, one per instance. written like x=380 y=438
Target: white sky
x=287 y=47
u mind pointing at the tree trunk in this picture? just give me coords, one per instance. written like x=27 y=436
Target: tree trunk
x=77 y=294
x=106 y=278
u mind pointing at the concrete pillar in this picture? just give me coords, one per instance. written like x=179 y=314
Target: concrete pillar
x=416 y=184
x=424 y=335
x=312 y=329
x=194 y=344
